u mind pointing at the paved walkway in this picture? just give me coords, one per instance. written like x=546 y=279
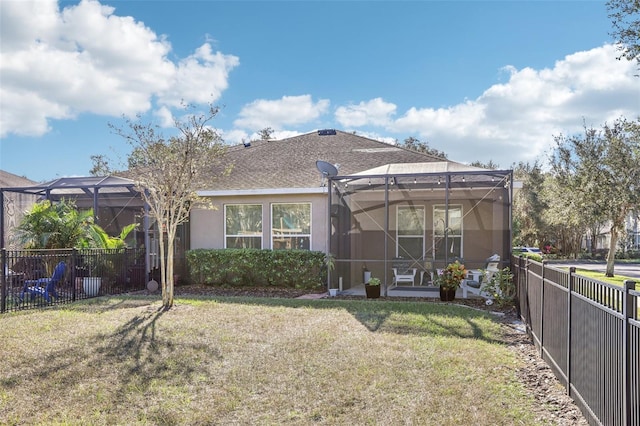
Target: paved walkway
x=313 y=296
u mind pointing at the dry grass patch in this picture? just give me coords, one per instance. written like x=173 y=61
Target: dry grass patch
x=258 y=361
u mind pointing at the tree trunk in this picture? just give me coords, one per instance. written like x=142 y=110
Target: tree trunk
x=163 y=267
x=611 y=256
x=168 y=301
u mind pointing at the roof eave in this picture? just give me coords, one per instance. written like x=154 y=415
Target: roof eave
x=261 y=191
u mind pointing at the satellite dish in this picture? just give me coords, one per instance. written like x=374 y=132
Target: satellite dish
x=327 y=169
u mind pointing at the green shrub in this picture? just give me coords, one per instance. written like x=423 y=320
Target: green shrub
x=628 y=254
x=254 y=267
x=502 y=287
x=532 y=256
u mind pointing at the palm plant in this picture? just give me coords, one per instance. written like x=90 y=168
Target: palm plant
x=61 y=225
x=50 y=226
x=98 y=238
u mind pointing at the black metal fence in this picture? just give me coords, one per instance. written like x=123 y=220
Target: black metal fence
x=36 y=278
x=588 y=332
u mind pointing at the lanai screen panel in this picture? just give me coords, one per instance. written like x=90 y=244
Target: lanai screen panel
x=426 y=219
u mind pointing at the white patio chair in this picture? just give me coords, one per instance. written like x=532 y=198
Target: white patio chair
x=477 y=279
x=402 y=273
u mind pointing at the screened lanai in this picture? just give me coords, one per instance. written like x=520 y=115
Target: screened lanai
x=426 y=214
x=114 y=201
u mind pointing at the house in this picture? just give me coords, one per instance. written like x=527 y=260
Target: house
x=367 y=203
x=14 y=204
x=374 y=203
x=629 y=241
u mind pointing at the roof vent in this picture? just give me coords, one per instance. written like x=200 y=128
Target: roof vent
x=246 y=144
x=326 y=132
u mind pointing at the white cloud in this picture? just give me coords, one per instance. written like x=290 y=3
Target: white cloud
x=19 y=108
x=200 y=78
x=375 y=112
x=59 y=63
x=233 y=137
x=518 y=119
x=376 y=137
x=285 y=134
x=287 y=111
x=165 y=116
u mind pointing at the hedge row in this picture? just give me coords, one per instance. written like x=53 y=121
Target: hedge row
x=254 y=267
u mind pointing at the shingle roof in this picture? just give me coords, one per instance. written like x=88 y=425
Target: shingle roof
x=9 y=179
x=291 y=162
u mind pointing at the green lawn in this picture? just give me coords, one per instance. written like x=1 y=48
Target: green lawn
x=123 y=360
x=600 y=276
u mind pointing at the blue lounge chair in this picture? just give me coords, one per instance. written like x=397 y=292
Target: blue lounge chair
x=45 y=287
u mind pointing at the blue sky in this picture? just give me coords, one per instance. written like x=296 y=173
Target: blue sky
x=478 y=80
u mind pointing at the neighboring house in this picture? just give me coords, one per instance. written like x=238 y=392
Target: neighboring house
x=629 y=241
x=632 y=226
x=14 y=204
x=385 y=202
x=114 y=201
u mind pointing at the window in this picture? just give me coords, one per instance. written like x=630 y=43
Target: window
x=291 y=226
x=451 y=246
x=410 y=232
x=243 y=225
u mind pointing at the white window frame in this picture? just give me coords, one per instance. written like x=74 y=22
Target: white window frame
x=258 y=235
x=436 y=236
x=292 y=235
x=413 y=236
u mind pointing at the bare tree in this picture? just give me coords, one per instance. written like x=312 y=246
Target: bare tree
x=169 y=171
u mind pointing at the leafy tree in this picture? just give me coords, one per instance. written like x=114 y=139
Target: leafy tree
x=529 y=205
x=100 y=166
x=625 y=18
x=169 y=171
x=415 y=145
x=265 y=134
x=563 y=218
x=488 y=165
x=601 y=169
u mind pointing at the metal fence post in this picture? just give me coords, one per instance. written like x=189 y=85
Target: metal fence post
x=524 y=270
x=542 y=311
x=572 y=271
x=628 y=313
x=517 y=276
x=74 y=270
x=3 y=290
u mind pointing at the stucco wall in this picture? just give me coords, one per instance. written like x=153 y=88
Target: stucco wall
x=207 y=225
